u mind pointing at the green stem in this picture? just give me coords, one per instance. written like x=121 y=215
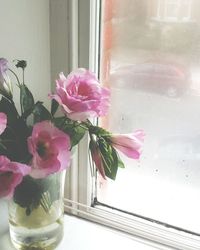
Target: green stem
x=89 y=122
x=6 y=141
x=17 y=84
x=15 y=77
x=105 y=162
x=23 y=75
x=47 y=200
x=63 y=123
x=92 y=167
x=44 y=204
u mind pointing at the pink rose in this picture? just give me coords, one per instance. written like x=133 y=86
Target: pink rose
x=3 y=122
x=129 y=144
x=11 y=175
x=81 y=95
x=50 y=148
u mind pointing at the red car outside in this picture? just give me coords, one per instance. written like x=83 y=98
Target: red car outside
x=164 y=78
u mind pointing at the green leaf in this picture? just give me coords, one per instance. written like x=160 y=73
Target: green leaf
x=26 y=98
x=59 y=121
x=54 y=107
x=109 y=157
x=75 y=131
x=120 y=162
x=14 y=138
x=31 y=193
x=40 y=113
x=24 y=189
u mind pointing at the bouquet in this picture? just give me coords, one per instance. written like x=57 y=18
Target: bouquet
x=35 y=142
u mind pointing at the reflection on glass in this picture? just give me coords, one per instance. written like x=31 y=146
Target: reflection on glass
x=150 y=58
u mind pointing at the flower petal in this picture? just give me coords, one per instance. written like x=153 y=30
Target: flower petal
x=3 y=122
x=11 y=175
x=81 y=93
x=50 y=148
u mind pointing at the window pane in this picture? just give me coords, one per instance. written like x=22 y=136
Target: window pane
x=153 y=70
x=172 y=10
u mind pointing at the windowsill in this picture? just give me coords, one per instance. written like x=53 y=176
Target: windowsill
x=80 y=235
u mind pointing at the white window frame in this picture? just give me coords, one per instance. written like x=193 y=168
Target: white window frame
x=78 y=178
x=83 y=51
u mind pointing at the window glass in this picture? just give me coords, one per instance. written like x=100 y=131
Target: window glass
x=153 y=69
x=176 y=10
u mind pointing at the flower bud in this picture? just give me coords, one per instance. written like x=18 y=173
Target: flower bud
x=129 y=144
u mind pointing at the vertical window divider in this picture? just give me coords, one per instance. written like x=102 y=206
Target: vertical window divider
x=83 y=46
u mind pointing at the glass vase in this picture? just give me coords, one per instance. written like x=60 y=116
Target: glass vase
x=36 y=213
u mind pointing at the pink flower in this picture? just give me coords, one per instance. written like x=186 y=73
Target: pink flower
x=3 y=122
x=81 y=96
x=97 y=158
x=3 y=68
x=129 y=144
x=50 y=148
x=11 y=175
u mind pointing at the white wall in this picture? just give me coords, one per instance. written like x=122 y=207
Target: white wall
x=24 y=34
x=59 y=38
